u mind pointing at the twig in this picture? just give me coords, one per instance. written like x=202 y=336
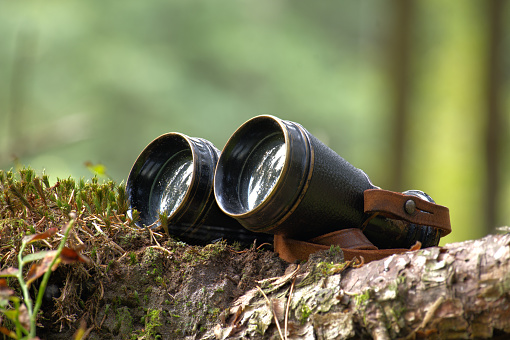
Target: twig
x=272 y=310
x=117 y=247
x=6 y=256
x=360 y=264
x=153 y=237
x=39 y=223
x=87 y=231
x=70 y=198
x=78 y=239
x=98 y=228
x=428 y=316
x=102 y=291
x=288 y=305
x=263 y=244
x=247 y=250
x=431 y=311
x=162 y=249
x=117 y=217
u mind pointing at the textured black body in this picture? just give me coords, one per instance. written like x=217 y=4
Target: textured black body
x=332 y=200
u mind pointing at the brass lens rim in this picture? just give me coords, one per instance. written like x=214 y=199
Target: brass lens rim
x=149 y=164
x=288 y=189
x=234 y=142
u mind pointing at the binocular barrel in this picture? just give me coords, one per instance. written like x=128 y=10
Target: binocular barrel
x=174 y=176
x=275 y=177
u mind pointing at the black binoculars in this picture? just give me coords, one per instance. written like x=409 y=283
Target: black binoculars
x=273 y=177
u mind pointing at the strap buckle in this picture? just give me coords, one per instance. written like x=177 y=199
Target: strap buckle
x=408 y=208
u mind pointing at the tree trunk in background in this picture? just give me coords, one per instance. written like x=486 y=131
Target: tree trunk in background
x=400 y=50
x=494 y=130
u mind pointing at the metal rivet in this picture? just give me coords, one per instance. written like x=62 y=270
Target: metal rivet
x=410 y=207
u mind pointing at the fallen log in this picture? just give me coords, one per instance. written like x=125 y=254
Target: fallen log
x=459 y=291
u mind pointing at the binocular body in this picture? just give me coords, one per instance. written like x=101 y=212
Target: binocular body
x=273 y=177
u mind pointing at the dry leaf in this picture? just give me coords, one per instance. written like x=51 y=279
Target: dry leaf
x=69 y=255
x=40 y=236
x=23 y=316
x=417 y=246
x=9 y=272
x=83 y=332
x=7 y=332
x=5 y=291
x=38 y=269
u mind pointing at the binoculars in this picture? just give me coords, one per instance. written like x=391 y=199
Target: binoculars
x=273 y=179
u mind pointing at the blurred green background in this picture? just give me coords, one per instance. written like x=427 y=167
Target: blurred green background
x=415 y=93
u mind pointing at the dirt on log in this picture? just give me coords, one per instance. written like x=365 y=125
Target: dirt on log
x=175 y=291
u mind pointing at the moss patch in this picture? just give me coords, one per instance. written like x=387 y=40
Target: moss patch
x=141 y=284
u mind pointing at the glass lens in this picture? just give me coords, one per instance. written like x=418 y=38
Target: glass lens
x=262 y=170
x=171 y=184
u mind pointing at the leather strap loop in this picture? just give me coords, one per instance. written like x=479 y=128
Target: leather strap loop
x=409 y=208
x=292 y=250
x=352 y=238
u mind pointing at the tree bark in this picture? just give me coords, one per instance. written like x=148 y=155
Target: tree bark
x=457 y=291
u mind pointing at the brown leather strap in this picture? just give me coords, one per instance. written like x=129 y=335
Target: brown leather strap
x=352 y=238
x=409 y=208
x=352 y=242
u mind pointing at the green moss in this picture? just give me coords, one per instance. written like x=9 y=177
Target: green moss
x=198 y=255
x=152 y=322
x=362 y=298
x=93 y=252
x=124 y=321
x=106 y=308
x=132 y=259
x=305 y=313
x=213 y=313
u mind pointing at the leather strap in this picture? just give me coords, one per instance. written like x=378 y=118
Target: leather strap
x=292 y=250
x=352 y=238
x=409 y=208
x=354 y=243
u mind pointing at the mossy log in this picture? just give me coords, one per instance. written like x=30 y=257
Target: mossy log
x=459 y=291
x=144 y=284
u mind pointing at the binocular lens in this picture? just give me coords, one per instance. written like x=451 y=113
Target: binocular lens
x=174 y=176
x=162 y=177
x=262 y=170
x=171 y=184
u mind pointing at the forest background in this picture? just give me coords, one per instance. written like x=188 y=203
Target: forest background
x=415 y=93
